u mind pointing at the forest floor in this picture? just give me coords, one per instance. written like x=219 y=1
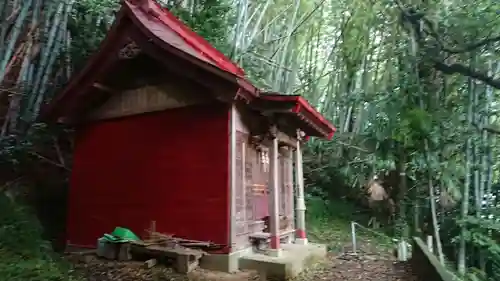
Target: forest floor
x=335 y=268
x=373 y=262
x=26 y=256
x=343 y=267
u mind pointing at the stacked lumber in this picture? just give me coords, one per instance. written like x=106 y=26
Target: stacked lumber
x=185 y=259
x=157 y=247
x=160 y=239
x=185 y=253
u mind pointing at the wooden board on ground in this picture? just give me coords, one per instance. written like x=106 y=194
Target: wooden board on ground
x=186 y=259
x=157 y=238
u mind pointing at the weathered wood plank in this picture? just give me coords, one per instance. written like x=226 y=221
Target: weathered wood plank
x=186 y=259
x=149 y=98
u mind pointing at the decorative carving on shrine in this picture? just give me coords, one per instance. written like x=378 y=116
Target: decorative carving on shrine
x=256 y=141
x=249 y=179
x=259 y=139
x=240 y=216
x=301 y=135
x=129 y=51
x=272 y=132
x=259 y=189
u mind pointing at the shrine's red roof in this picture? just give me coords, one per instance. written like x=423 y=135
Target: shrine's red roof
x=156 y=18
x=303 y=109
x=171 y=35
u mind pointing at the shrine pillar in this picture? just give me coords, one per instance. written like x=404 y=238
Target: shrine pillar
x=290 y=187
x=300 y=229
x=274 y=221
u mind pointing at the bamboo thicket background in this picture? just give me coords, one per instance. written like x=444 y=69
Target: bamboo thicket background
x=411 y=85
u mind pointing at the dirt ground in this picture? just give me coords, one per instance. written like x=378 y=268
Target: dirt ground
x=344 y=267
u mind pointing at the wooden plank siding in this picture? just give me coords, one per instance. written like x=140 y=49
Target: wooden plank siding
x=286 y=188
x=148 y=98
x=242 y=230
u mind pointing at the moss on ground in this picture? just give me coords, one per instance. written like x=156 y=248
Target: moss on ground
x=329 y=222
x=24 y=255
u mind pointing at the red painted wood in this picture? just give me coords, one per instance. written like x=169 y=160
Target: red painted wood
x=275 y=242
x=300 y=233
x=170 y=167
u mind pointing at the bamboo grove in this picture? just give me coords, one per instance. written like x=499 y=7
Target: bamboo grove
x=412 y=86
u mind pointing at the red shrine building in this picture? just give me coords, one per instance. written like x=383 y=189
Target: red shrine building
x=169 y=130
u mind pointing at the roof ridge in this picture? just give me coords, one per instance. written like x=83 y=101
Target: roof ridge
x=189 y=36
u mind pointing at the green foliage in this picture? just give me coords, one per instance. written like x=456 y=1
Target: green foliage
x=482 y=233
x=209 y=18
x=16 y=154
x=89 y=23
x=366 y=73
x=329 y=222
x=91 y=20
x=24 y=255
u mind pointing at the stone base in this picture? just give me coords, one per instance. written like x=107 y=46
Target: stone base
x=274 y=252
x=293 y=260
x=223 y=262
x=301 y=241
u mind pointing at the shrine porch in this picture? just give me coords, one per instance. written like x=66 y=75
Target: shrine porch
x=293 y=260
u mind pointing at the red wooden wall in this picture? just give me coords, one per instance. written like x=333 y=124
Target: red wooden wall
x=170 y=167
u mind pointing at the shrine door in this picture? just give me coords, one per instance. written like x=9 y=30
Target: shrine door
x=285 y=175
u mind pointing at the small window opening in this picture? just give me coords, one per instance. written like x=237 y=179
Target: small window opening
x=264 y=160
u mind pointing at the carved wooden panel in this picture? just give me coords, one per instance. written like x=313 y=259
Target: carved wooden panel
x=148 y=99
x=249 y=174
x=257 y=183
x=129 y=51
x=286 y=188
x=239 y=123
x=282 y=179
x=242 y=222
x=240 y=216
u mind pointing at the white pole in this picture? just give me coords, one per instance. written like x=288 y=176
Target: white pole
x=353 y=236
x=430 y=242
x=300 y=232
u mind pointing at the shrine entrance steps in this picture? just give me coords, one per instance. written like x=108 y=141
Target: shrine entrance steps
x=293 y=259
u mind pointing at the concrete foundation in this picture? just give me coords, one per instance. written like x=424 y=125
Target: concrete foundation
x=224 y=262
x=293 y=260
x=301 y=241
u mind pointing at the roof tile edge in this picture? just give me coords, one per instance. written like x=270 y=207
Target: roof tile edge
x=193 y=39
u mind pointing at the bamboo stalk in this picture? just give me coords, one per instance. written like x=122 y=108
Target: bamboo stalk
x=13 y=38
x=10 y=123
x=3 y=26
x=46 y=54
x=55 y=53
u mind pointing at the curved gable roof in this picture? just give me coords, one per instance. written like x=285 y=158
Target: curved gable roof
x=302 y=110
x=172 y=36
x=144 y=9
x=166 y=31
